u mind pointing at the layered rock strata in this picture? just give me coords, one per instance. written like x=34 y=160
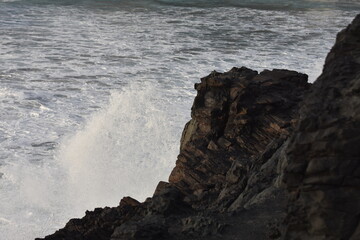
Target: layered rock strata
x=256 y=161
x=239 y=119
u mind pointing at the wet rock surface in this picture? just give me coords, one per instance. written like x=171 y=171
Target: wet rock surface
x=264 y=156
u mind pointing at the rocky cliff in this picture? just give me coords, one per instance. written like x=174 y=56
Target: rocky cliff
x=323 y=172
x=265 y=156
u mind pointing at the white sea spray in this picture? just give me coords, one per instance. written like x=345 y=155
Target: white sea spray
x=94 y=95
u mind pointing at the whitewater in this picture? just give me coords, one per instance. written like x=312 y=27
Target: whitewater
x=94 y=94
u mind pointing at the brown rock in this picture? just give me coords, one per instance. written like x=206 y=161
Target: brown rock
x=128 y=201
x=235 y=115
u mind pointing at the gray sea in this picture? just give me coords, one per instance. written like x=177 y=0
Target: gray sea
x=94 y=94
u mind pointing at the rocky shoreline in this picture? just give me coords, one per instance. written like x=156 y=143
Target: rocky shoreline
x=265 y=156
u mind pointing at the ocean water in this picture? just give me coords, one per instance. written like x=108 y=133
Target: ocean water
x=94 y=94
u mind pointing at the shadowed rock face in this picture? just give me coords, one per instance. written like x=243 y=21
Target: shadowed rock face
x=323 y=175
x=253 y=164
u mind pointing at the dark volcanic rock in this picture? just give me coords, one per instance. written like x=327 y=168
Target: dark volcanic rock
x=323 y=175
x=255 y=161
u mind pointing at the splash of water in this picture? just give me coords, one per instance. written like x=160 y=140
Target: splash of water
x=124 y=149
x=127 y=145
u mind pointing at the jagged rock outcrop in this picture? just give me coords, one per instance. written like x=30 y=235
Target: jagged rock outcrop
x=256 y=161
x=224 y=180
x=239 y=119
x=323 y=172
